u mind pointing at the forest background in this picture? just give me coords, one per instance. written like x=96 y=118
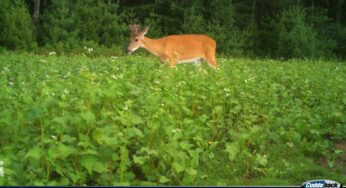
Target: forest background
x=256 y=28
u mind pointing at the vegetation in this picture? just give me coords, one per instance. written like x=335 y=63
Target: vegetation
x=76 y=120
x=311 y=29
x=74 y=110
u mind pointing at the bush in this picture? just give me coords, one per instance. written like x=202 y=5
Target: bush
x=15 y=25
x=70 y=22
x=59 y=24
x=194 y=22
x=295 y=38
x=337 y=33
x=230 y=40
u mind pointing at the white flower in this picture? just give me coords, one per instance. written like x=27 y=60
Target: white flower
x=226 y=90
x=181 y=83
x=117 y=77
x=67 y=75
x=175 y=130
x=290 y=144
x=66 y=91
x=52 y=53
x=90 y=50
x=125 y=107
x=1 y=169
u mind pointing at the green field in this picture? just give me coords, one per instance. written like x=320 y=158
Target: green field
x=76 y=120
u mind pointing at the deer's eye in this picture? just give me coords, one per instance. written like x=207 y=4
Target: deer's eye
x=136 y=40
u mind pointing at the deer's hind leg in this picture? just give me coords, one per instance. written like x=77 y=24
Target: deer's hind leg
x=210 y=57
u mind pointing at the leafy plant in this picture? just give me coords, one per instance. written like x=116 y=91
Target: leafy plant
x=76 y=120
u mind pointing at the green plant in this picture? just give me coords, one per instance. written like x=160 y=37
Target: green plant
x=16 y=26
x=76 y=120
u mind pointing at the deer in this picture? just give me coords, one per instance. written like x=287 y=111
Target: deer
x=174 y=49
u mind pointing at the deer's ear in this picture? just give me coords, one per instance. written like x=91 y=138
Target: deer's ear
x=145 y=30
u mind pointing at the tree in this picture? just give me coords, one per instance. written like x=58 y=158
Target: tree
x=295 y=37
x=16 y=28
x=221 y=25
x=36 y=13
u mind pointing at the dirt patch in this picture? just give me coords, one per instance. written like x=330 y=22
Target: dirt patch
x=340 y=160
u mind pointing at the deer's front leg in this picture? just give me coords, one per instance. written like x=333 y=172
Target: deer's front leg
x=172 y=63
x=171 y=60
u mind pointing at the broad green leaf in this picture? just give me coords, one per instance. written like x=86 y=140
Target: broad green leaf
x=185 y=145
x=91 y=164
x=139 y=160
x=191 y=171
x=97 y=136
x=87 y=162
x=178 y=167
x=64 y=151
x=232 y=149
x=136 y=119
x=163 y=179
x=68 y=139
x=61 y=120
x=34 y=153
x=261 y=160
x=134 y=132
x=100 y=167
x=88 y=116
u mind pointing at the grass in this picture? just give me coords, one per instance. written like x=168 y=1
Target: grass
x=75 y=120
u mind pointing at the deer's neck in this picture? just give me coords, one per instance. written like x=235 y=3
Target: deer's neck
x=154 y=46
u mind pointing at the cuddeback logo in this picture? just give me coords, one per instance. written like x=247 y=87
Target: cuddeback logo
x=321 y=184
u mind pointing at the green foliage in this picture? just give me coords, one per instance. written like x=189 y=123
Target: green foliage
x=194 y=22
x=295 y=37
x=221 y=25
x=68 y=23
x=300 y=36
x=337 y=34
x=130 y=121
x=16 y=28
x=267 y=28
x=59 y=24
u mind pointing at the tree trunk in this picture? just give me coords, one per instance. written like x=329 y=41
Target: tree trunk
x=253 y=15
x=339 y=10
x=36 y=14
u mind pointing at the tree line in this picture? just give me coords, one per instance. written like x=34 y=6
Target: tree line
x=264 y=28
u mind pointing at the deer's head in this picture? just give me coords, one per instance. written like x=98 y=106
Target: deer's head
x=137 y=37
